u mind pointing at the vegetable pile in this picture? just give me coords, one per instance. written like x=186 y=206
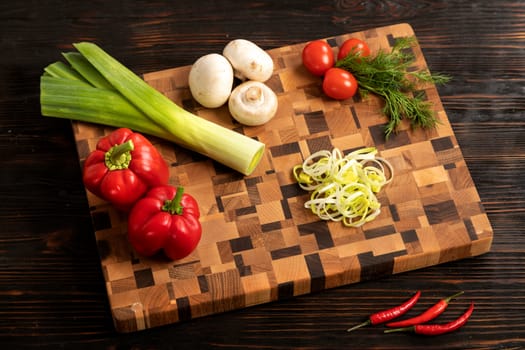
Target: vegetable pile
x=211 y=82
x=127 y=171
x=343 y=188
x=96 y=88
x=418 y=324
x=386 y=75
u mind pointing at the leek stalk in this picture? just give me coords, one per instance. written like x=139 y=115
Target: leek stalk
x=61 y=70
x=79 y=101
x=115 y=96
x=86 y=70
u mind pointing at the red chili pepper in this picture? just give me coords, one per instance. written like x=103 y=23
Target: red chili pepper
x=123 y=167
x=431 y=313
x=437 y=329
x=389 y=314
x=165 y=219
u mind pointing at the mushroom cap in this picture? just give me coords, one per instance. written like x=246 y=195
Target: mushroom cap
x=211 y=80
x=249 y=61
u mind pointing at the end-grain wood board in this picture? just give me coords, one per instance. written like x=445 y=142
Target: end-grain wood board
x=259 y=243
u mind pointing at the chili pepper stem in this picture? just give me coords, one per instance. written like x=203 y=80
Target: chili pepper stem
x=118 y=157
x=447 y=300
x=366 y=323
x=174 y=206
x=401 y=329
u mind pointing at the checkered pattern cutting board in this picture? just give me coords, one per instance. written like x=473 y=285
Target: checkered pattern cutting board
x=259 y=243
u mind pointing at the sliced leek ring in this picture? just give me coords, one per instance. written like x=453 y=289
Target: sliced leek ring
x=344 y=187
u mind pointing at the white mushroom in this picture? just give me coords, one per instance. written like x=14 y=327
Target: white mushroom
x=249 y=61
x=211 y=80
x=252 y=103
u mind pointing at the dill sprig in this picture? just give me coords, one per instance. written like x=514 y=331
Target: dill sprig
x=388 y=75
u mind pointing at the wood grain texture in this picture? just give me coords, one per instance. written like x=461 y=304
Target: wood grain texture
x=53 y=294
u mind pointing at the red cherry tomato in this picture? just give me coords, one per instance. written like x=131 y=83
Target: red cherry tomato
x=318 y=57
x=354 y=45
x=339 y=84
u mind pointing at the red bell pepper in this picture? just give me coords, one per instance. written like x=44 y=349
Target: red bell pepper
x=165 y=219
x=123 y=167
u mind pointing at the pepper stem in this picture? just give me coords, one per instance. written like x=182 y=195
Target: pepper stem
x=173 y=206
x=366 y=323
x=447 y=300
x=402 y=329
x=118 y=157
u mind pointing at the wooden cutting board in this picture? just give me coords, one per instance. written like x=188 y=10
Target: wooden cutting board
x=259 y=244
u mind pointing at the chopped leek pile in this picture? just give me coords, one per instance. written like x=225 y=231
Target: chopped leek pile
x=343 y=188
x=94 y=87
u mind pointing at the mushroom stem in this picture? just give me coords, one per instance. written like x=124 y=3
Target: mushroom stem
x=254 y=95
x=252 y=103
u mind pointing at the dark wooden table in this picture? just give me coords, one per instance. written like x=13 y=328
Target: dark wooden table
x=52 y=289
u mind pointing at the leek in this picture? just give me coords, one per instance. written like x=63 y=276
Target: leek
x=99 y=89
x=344 y=187
x=86 y=70
x=61 y=70
x=76 y=100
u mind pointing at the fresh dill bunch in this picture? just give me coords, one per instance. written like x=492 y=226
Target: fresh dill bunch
x=389 y=76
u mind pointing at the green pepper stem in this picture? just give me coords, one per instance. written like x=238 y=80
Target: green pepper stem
x=173 y=206
x=447 y=300
x=366 y=323
x=118 y=157
x=402 y=329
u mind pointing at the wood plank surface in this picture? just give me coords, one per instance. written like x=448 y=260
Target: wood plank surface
x=53 y=291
